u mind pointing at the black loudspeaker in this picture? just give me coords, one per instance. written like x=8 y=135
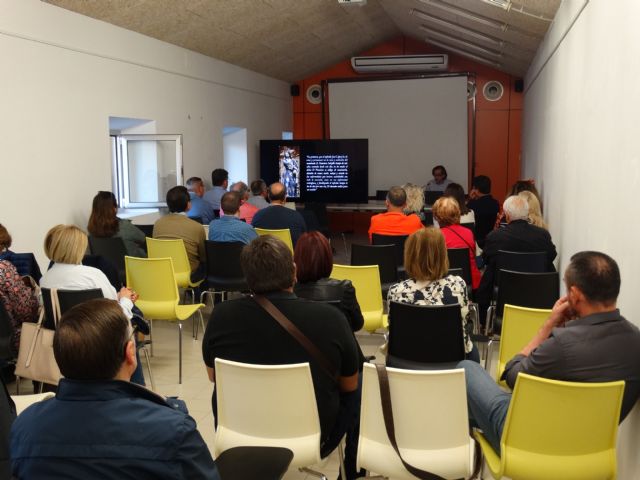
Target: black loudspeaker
x=518 y=85
x=295 y=90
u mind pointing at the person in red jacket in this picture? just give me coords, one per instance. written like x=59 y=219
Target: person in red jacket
x=394 y=221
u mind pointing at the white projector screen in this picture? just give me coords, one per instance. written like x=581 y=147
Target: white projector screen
x=412 y=125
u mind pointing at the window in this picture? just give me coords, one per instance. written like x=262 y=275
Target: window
x=147 y=166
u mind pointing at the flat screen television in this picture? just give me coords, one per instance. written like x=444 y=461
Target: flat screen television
x=327 y=171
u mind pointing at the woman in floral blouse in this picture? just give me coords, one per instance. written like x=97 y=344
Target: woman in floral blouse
x=426 y=263
x=18 y=300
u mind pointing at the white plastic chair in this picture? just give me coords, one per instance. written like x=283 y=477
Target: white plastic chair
x=431 y=424
x=268 y=405
x=24 y=401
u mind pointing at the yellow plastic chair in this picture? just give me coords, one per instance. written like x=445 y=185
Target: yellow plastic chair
x=519 y=325
x=558 y=431
x=366 y=280
x=283 y=234
x=154 y=281
x=175 y=250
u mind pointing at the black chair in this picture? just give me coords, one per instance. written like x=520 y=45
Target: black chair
x=68 y=299
x=310 y=220
x=532 y=262
x=431 y=197
x=456 y=272
x=253 y=463
x=146 y=229
x=382 y=255
x=7 y=352
x=224 y=273
x=113 y=249
x=428 y=217
x=471 y=226
x=425 y=337
x=459 y=258
x=396 y=240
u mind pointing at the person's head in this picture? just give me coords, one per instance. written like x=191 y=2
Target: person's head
x=425 y=255
x=439 y=174
x=66 y=244
x=456 y=191
x=178 y=199
x=230 y=203
x=5 y=238
x=526 y=186
x=267 y=264
x=482 y=184
x=396 y=199
x=446 y=211
x=259 y=187
x=196 y=185
x=415 y=198
x=592 y=279
x=277 y=193
x=242 y=189
x=220 y=178
x=94 y=341
x=103 y=221
x=535 y=213
x=516 y=208
x=313 y=257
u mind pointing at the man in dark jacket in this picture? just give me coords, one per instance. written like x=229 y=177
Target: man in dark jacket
x=99 y=425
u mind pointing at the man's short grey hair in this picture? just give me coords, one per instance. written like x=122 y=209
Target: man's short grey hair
x=516 y=208
x=241 y=188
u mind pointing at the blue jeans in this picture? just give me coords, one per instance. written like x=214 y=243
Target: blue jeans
x=486 y=401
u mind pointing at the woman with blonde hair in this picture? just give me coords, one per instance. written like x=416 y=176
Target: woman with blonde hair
x=426 y=264
x=535 y=213
x=415 y=200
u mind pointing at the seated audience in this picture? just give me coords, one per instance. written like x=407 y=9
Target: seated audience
x=484 y=207
x=178 y=225
x=314 y=262
x=585 y=339
x=25 y=263
x=415 y=200
x=277 y=216
x=447 y=212
x=518 y=236
x=456 y=191
x=19 y=300
x=200 y=208
x=535 y=213
x=247 y=210
x=439 y=182
x=394 y=221
x=520 y=186
x=220 y=182
x=104 y=223
x=259 y=194
x=65 y=245
x=229 y=227
x=99 y=425
x=426 y=264
x=242 y=331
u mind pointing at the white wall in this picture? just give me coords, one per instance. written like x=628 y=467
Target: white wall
x=580 y=143
x=64 y=74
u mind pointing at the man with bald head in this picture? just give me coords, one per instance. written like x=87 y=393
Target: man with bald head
x=247 y=210
x=277 y=216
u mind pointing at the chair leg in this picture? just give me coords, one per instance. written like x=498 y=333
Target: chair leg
x=180 y=352
x=146 y=356
x=196 y=324
x=151 y=334
x=313 y=473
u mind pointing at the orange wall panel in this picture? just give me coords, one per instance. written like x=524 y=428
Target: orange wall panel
x=515 y=146
x=312 y=125
x=492 y=127
x=298 y=125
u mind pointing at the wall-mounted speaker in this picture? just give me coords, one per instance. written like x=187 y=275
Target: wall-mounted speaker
x=518 y=85
x=314 y=94
x=471 y=90
x=295 y=90
x=493 y=91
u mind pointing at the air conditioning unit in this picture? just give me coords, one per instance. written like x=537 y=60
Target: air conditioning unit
x=400 y=63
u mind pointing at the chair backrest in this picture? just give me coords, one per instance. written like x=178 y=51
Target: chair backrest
x=154 y=281
x=430 y=418
x=267 y=405
x=6 y=335
x=382 y=255
x=111 y=248
x=561 y=430
x=533 y=290
x=283 y=234
x=425 y=334
x=532 y=262
x=146 y=229
x=366 y=281
x=71 y=298
x=174 y=249
x=320 y=210
x=397 y=240
x=459 y=258
x=471 y=226
x=223 y=259
x=519 y=325
x=457 y=272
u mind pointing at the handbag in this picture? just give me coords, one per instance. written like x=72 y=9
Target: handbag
x=36 y=360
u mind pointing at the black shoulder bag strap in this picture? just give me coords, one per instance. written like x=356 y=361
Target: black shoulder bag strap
x=387 y=412
x=295 y=332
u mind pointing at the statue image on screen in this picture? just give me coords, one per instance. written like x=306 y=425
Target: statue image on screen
x=290 y=170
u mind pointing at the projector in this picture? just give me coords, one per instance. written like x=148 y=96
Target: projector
x=352 y=2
